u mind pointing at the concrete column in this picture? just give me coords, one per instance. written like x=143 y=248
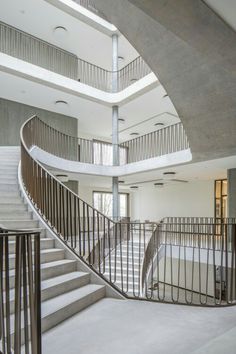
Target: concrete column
x=115 y=129
x=231 y=176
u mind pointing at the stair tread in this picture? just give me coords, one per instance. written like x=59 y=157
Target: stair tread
x=44 y=251
x=48 y=265
x=61 y=301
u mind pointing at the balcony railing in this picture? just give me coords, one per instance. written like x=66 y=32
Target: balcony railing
x=20 y=300
x=161 y=142
x=91 y=6
x=38 y=52
x=192 y=261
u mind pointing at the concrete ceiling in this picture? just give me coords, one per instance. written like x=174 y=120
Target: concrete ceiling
x=193 y=53
x=40 y=18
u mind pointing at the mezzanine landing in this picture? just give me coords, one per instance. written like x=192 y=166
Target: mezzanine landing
x=133 y=327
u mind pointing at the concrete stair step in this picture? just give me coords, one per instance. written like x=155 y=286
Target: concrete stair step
x=11 y=200
x=4 y=187
x=58 y=285
x=60 y=308
x=118 y=276
x=124 y=269
x=19 y=224
x=11 y=194
x=12 y=207
x=49 y=270
x=46 y=255
x=17 y=214
x=45 y=243
x=9 y=181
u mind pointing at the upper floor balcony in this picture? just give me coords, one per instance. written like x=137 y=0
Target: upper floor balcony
x=32 y=50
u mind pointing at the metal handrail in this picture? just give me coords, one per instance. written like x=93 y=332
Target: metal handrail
x=90 y=234
x=191 y=261
x=24 y=46
x=20 y=316
x=161 y=142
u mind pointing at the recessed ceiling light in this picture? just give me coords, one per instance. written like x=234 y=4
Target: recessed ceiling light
x=63 y=178
x=134 y=79
x=121 y=120
x=60 y=32
x=121 y=181
x=132 y=134
x=159 y=185
x=133 y=187
x=120 y=58
x=165 y=96
x=169 y=175
x=159 y=124
x=61 y=103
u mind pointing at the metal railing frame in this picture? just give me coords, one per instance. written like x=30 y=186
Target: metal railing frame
x=91 y=235
x=161 y=142
x=27 y=292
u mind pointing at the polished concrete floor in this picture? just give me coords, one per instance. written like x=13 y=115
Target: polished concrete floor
x=135 y=327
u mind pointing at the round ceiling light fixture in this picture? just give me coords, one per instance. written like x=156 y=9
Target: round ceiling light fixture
x=121 y=182
x=121 y=58
x=133 y=187
x=158 y=185
x=159 y=124
x=134 y=79
x=121 y=120
x=63 y=178
x=60 y=32
x=169 y=175
x=165 y=96
x=61 y=103
x=134 y=134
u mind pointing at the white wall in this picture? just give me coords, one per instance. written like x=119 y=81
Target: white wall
x=184 y=199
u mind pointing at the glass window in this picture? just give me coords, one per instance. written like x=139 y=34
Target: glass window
x=221 y=198
x=103 y=202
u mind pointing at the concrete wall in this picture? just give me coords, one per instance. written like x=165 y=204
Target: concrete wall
x=13 y=115
x=184 y=199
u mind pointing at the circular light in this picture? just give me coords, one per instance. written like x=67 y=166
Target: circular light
x=158 y=185
x=159 y=124
x=134 y=79
x=134 y=134
x=169 y=175
x=121 y=120
x=133 y=187
x=63 y=178
x=121 y=182
x=165 y=96
x=61 y=103
x=60 y=32
x=120 y=58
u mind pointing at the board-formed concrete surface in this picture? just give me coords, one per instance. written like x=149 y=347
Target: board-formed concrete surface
x=140 y=327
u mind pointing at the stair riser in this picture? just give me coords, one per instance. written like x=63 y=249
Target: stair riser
x=54 y=319
x=20 y=224
x=44 y=244
x=9 y=187
x=11 y=208
x=48 y=273
x=18 y=215
x=118 y=271
x=45 y=258
x=118 y=277
x=59 y=289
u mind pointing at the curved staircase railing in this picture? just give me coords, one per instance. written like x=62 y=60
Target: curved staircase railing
x=114 y=250
x=180 y=260
x=158 y=143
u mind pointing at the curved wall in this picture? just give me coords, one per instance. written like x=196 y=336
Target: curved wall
x=193 y=53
